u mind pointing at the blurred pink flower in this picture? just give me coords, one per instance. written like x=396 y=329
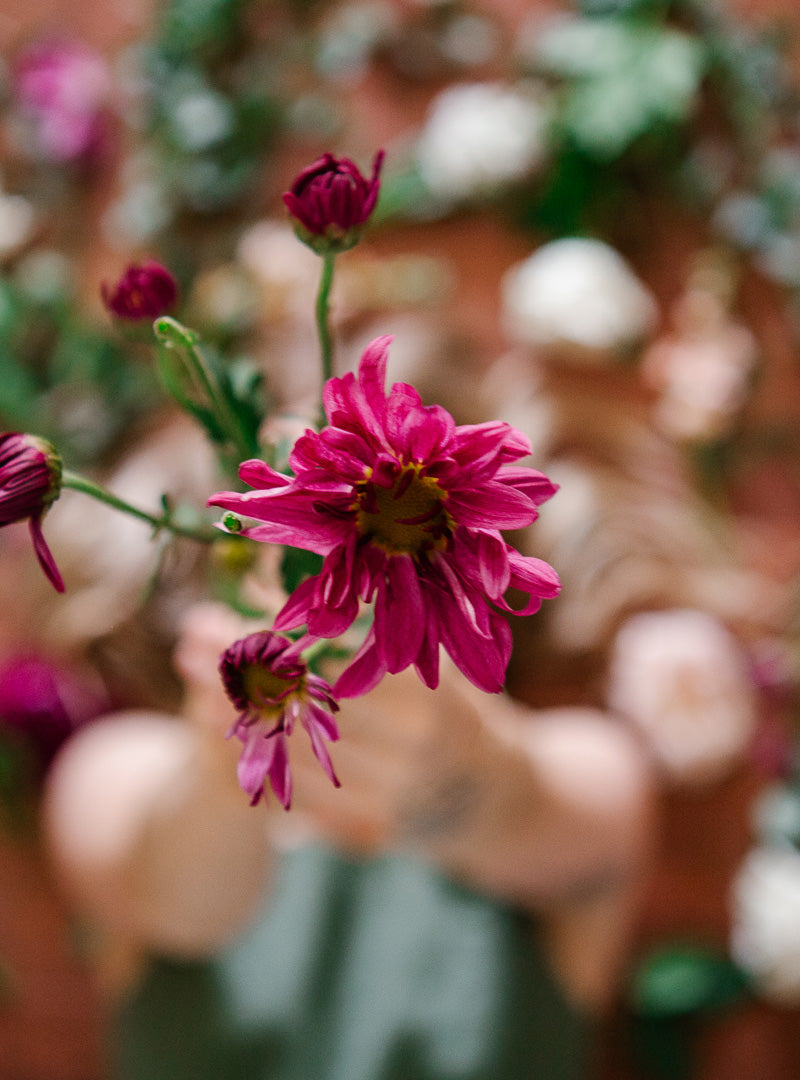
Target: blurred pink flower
x=63 y=88
x=30 y=480
x=407 y=509
x=43 y=703
x=265 y=678
x=330 y=200
x=145 y=291
x=683 y=679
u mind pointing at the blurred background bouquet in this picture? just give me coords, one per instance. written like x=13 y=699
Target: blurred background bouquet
x=586 y=225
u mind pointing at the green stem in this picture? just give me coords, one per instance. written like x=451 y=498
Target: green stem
x=323 y=316
x=172 y=334
x=202 y=534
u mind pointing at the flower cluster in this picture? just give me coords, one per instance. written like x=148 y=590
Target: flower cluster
x=406 y=507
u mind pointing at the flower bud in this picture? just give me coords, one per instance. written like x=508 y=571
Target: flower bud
x=145 y=291
x=30 y=481
x=330 y=201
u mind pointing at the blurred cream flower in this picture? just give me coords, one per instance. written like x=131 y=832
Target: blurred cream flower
x=480 y=136
x=681 y=678
x=578 y=297
x=285 y=271
x=701 y=370
x=17 y=223
x=765 y=936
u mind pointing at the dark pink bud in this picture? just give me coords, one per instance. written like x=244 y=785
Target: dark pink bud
x=30 y=481
x=330 y=201
x=145 y=291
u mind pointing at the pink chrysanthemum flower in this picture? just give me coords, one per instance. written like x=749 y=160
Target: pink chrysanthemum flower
x=30 y=481
x=264 y=676
x=407 y=508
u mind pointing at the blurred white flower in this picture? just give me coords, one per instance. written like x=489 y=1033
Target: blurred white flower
x=765 y=935
x=578 y=295
x=478 y=137
x=681 y=677
x=286 y=271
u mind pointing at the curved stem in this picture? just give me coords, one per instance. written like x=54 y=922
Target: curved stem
x=171 y=335
x=202 y=534
x=323 y=318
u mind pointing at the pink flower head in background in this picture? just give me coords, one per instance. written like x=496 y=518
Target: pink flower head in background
x=30 y=480
x=145 y=291
x=265 y=678
x=331 y=200
x=42 y=703
x=63 y=88
x=407 y=508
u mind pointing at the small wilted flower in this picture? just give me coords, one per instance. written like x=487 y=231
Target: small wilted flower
x=265 y=677
x=63 y=88
x=145 y=291
x=330 y=202
x=407 y=508
x=30 y=480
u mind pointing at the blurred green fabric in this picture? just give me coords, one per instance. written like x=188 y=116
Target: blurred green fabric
x=381 y=970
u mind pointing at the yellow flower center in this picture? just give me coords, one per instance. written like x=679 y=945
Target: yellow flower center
x=407 y=518
x=266 y=689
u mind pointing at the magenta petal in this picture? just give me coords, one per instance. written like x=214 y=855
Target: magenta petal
x=280 y=773
x=372 y=375
x=530 y=482
x=493 y=563
x=427 y=661
x=323 y=721
x=484 y=662
x=399 y=614
x=533 y=575
x=295 y=611
x=286 y=518
x=363 y=673
x=258 y=474
x=315 y=721
x=255 y=760
x=44 y=555
x=327 y=622
x=492 y=506
x=336 y=581
x=473 y=608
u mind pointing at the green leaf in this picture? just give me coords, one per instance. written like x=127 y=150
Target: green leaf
x=681 y=979
x=620 y=79
x=297 y=565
